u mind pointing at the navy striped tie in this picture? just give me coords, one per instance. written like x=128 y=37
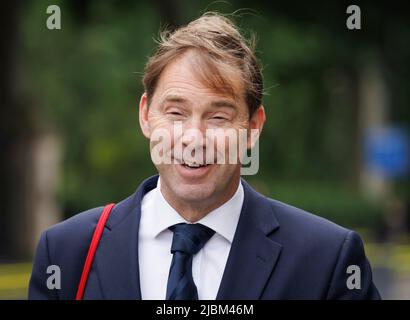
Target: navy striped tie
x=188 y=240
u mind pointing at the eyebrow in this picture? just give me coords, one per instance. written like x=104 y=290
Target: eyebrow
x=174 y=98
x=224 y=103
x=216 y=103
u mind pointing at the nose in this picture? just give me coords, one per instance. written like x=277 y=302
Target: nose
x=194 y=140
x=194 y=134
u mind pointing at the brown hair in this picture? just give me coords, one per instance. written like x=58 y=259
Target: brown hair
x=222 y=53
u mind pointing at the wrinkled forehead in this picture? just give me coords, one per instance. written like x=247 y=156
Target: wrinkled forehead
x=195 y=70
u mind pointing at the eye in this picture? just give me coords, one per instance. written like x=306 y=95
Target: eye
x=174 y=113
x=219 y=118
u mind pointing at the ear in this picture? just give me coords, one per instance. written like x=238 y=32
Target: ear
x=256 y=125
x=143 y=116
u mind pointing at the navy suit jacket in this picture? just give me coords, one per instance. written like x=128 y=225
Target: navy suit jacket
x=278 y=252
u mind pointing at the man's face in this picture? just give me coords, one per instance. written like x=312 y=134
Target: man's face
x=182 y=99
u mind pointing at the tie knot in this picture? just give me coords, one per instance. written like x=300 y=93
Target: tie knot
x=189 y=238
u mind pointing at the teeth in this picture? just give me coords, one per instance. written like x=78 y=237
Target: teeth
x=194 y=165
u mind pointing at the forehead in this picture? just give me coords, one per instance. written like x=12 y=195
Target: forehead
x=192 y=77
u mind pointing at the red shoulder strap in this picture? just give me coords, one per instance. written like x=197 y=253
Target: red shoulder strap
x=92 y=249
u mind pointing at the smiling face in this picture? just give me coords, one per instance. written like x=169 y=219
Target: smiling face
x=182 y=98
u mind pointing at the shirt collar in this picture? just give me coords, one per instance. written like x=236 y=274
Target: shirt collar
x=223 y=220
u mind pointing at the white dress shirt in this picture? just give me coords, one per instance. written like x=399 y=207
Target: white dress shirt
x=155 y=239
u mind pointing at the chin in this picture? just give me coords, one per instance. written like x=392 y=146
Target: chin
x=193 y=193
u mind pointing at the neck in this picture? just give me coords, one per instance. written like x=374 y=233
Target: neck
x=194 y=211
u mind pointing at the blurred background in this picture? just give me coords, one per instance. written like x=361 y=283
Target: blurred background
x=336 y=141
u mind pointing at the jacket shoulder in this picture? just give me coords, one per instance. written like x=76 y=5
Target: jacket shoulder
x=77 y=227
x=317 y=254
x=307 y=226
x=73 y=235
x=65 y=246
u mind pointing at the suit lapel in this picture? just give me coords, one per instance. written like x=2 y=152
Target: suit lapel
x=253 y=254
x=116 y=260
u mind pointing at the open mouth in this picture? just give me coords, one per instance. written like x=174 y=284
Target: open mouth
x=193 y=170
x=194 y=165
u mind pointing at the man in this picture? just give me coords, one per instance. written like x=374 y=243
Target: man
x=198 y=231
